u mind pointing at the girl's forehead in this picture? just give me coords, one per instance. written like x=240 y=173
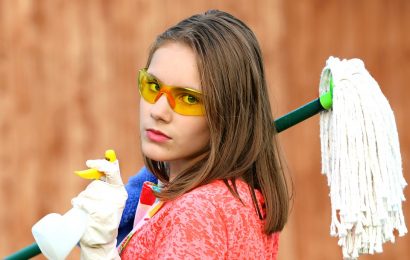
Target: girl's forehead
x=175 y=64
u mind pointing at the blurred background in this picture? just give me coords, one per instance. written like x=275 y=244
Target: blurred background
x=68 y=92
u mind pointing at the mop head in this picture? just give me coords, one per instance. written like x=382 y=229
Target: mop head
x=361 y=159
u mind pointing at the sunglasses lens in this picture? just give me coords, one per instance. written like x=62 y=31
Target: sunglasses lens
x=183 y=101
x=148 y=87
x=187 y=102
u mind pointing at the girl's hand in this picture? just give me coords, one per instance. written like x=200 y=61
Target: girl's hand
x=103 y=201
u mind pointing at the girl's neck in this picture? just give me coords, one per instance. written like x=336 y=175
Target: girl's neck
x=176 y=167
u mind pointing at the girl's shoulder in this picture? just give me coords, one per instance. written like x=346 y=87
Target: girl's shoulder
x=214 y=189
x=217 y=193
x=216 y=198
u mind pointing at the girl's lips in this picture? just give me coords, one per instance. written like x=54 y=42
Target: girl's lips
x=157 y=136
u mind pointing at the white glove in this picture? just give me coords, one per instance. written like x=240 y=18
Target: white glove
x=104 y=202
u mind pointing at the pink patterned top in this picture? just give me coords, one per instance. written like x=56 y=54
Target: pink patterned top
x=206 y=223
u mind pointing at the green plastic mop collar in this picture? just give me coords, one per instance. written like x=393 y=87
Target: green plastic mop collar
x=326 y=100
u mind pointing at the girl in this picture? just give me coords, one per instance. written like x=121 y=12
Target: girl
x=207 y=135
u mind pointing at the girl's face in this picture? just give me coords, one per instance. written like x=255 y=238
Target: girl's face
x=165 y=135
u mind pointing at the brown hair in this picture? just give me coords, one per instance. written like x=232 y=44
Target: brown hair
x=242 y=136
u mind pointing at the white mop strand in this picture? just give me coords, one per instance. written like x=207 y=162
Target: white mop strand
x=362 y=161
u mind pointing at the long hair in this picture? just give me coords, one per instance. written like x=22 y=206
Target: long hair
x=242 y=136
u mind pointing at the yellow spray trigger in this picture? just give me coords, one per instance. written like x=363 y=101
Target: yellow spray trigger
x=110 y=155
x=93 y=174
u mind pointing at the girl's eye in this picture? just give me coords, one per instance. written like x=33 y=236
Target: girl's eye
x=153 y=86
x=190 y=99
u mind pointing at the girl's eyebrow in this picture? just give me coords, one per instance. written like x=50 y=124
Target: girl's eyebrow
x=153 y=77
x=162 y=83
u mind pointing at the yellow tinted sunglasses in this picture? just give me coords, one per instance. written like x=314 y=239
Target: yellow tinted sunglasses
x=184 y=101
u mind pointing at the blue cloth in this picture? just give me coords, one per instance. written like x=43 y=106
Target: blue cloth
x=133 y=188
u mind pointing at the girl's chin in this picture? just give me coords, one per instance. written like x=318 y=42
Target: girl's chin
x=156 y=158
x=156 y=154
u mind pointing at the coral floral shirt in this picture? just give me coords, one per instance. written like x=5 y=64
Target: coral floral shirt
x=206 y=223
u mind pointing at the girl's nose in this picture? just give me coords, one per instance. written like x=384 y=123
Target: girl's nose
x=161 y=110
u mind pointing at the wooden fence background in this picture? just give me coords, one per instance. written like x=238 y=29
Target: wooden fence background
x=68 y=92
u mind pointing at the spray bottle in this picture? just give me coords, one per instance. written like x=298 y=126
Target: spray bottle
x=56 y=235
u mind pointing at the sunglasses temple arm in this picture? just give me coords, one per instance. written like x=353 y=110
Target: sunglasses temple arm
x=324 y=102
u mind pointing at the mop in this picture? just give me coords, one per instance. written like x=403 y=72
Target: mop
x=361 y=159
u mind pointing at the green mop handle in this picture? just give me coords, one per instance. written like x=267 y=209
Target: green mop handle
x=292 y=118
x=324 y=102
x=25 y=253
